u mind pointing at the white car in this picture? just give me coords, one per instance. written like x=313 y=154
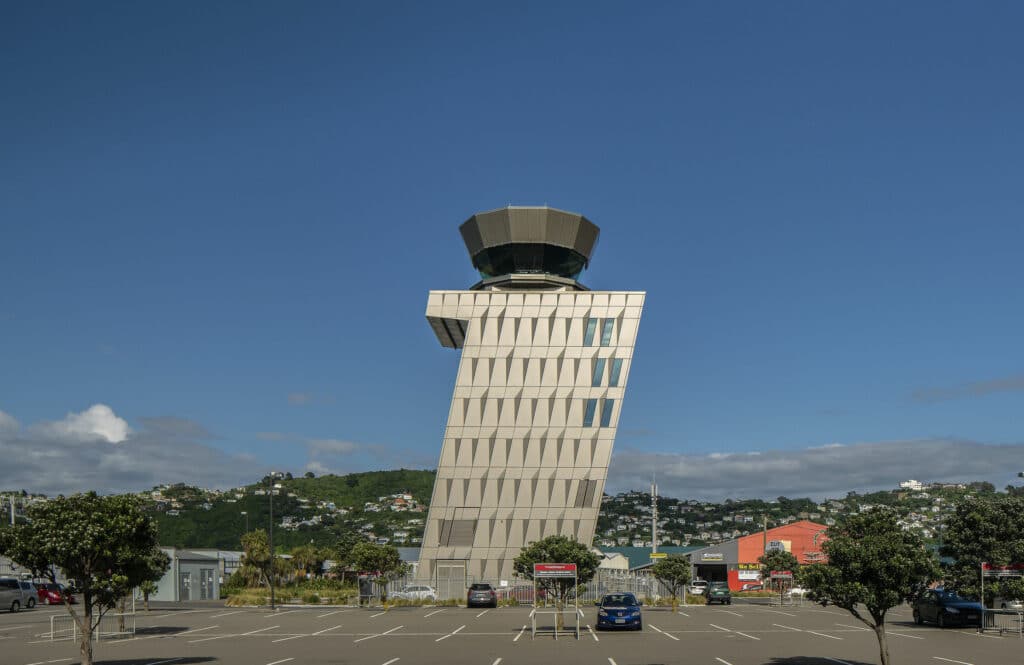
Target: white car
x=698 y=587
x=1008 y=604
x=797 y=591
x=416 y=592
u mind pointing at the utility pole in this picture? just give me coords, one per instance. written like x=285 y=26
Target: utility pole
x=273 y=561
x=654 y=518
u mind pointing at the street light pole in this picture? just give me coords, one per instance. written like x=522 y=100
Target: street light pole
x=273 y=474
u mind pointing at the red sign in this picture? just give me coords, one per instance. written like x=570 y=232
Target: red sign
x=787 y=574
x=1012 y=570
x=554 y=570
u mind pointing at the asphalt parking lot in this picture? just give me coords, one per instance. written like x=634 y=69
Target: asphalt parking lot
x=739 y=634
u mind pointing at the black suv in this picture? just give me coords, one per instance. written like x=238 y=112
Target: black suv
x=481 y=595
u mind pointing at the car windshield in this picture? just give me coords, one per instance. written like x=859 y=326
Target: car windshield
x=619 y=599
x=949 y=595
x=481 y=587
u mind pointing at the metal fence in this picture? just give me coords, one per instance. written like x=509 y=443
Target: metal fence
x=1004 y=621
x=111 y=626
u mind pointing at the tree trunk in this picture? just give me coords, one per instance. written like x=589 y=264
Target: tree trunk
x=883 y=645
x=85 y=645
x=145 y=600
x=120 y=614
x=559 y=619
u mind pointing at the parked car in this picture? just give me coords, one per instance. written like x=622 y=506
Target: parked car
x=28 y=594
x=752 y=586
x=619 y=610
x=718 y=592
x=10 y=594
x=481 y=595
x=697 y=587
x=796 y=591
x=1008 y=604
x=53 y=594
x=946 y=608
x=416 y=592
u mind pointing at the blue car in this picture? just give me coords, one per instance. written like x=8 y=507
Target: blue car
x=619 y=610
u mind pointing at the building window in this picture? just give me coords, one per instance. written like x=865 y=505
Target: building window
x=588 y=414
x=598 y=372
x=588 y=336
x=606 y=332
x=606 y=412
x=616 y=372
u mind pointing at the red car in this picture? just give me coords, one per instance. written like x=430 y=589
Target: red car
x=50 y=594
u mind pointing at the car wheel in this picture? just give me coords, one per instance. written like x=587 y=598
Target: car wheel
x=729 y=602
x=941 y=620
x=31 y=603
x=917 y=618
x=1003 y=607
x=15 y=606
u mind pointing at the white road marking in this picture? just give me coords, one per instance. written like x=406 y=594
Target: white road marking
x=197 y=630
x=592 y=633
x=496 y=661
x=378 y=614
x=913 y=637
x=778 y=612
x=278 y=662
x=730 y=612
x=521 y=631
x=205 y=639
x=444 y=637
x=612 y=662
x=725 y=662
x=17 y=627
x=950 y=660
x=745 y=635
x=386 y=632
x=285 y=639
x=430 y=614
x=260 y=630
x=663 y=632
x=683 y=613
x=719 y=628
x=281 y=614
x=836 y=660
x=321 y=616
x=226 y=614
x=787 y=627
x=482 y=613
x=59 y=660
x=831 y=637
x=321 y=632
x=395 y=660
x=846 y=625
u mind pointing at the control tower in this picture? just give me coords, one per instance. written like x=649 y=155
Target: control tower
x=537 y=398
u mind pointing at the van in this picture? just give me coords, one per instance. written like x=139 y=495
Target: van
x=10 y=594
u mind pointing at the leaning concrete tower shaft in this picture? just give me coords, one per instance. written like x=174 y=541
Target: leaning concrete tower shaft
x=540 y=385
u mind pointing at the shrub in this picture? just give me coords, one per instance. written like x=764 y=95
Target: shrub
x=311 y=599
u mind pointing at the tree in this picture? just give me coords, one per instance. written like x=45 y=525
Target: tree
x=149 y=571
x=777 y=560
x=872 y=562
x=985 y=530
x=674 y=572
x=102 y=542
x=309 y=474
x=341 y=551
x=309 y=559
x=558 y=549
x=381 y=562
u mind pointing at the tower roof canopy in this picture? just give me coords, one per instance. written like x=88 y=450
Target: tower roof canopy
x=529 y=240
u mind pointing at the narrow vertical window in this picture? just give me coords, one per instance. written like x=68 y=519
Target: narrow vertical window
x=588 y=414
x=598 y=372
x=588 y=336
x=606 y=332
x=606 y=412
x=616 y=372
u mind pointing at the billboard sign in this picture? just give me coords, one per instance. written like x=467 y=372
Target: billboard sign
x=548 y=570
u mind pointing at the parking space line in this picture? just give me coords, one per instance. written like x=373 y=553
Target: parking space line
x=260 y=630
x=683 y=613
x=745 y=635
x=592 y=633
x=59 y=660
x=444 y=637
x=197 y=630
x=724 y=662
x=612 y=662
x=731 y=612
x=950 y=660
x=321 y=616
x=496 y=661
x=321 y=632
x=663 y=632
x=281 y=614
x=386 y=632
x=845 y=625
x=226 y=614
x=378 y=614
x=285 y=639
x=205 y=639
x=787 y=627
x=778 y=612
x=913 y=637
x=278 y=662
x=393 y=660
x=831 y=637
x=521 y=631
x=719 y=628
x=482 y=613
x=430 y=614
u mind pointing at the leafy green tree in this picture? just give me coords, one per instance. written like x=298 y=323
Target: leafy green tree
x=102 y=542
x=381 y=562
x=309 y=559
x=777 y=560
x=674 y=572
x=148 y=588
x=985 y=530
x=341 y=551
x=557 y=549
x=872 y=564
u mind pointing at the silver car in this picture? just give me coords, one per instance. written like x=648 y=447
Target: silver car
x=14 y=596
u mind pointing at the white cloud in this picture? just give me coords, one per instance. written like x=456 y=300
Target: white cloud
x=98 y=422
x=8 y=423
x=828 y=470
x=78 y=454
x=331 y=447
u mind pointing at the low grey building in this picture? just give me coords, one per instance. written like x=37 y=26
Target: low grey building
x=191 y=576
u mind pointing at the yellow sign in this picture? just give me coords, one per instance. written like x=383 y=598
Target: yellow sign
x=658 y=555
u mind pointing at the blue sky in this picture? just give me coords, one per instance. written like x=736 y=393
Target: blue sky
x=220 y=222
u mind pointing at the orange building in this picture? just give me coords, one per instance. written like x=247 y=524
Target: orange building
x=735 y=561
